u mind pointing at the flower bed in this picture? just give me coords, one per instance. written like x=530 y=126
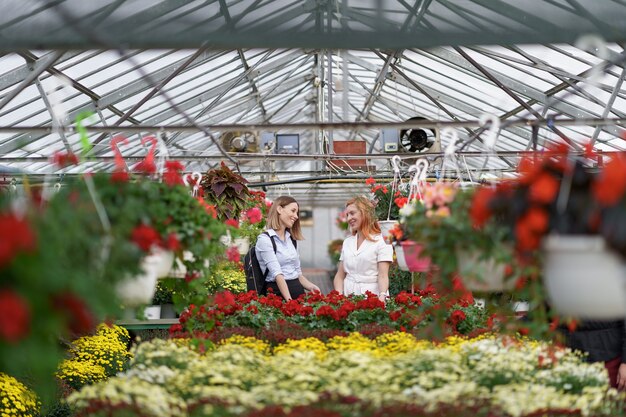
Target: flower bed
x=406 y=312
x=394 y=374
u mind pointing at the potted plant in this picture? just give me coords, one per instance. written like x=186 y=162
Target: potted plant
x=225 y=190
x=251 y=222
x=481 y=258
x=575 y=217
x=388 y=200
x=153 y=215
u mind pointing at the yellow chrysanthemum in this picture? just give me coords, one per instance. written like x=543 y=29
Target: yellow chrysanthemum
x=355 y=341
x=251 y=342
x=15 y=399
x=309 y=344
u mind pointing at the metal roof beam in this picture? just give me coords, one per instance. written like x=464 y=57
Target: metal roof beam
x=157 y=88
x=536 y=96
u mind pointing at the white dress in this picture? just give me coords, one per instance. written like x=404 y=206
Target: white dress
x=361 y=265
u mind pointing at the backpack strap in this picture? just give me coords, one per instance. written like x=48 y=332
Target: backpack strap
x=295 y=245
x=267 y=270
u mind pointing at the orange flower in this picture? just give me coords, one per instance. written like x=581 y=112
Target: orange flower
x=544 y=188
x=611 y=184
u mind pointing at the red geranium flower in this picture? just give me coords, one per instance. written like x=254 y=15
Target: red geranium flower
x=145 y=236
x=64 y=159
x=254 y=215
x=17 y=236
x=80 y=319
x=15 y=316
x=232 y=254
x=172 y=176
x=233 y=223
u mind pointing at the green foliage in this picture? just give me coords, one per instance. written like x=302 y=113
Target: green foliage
x=226 y=190
x=443 y=235
x=163 y=293
x=388 y=199
x=227 y=276
x=398 y=280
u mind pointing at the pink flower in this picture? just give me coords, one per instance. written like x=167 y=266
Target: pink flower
x=254 y=215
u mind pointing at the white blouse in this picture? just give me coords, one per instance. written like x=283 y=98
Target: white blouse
x=361 y=265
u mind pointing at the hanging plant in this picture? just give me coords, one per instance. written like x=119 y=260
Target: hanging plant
x=226 y=190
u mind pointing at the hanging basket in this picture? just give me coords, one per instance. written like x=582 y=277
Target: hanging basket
x=163 y=260
x=484 y=275
x=583 y=278
x=386 y=226
x=408 y=257
x=139 y=289
x=243 y=245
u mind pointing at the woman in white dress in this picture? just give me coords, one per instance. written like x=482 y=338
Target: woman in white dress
x=365 y=257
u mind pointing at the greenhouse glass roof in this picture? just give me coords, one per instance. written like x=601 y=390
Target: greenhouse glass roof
x=271 y=87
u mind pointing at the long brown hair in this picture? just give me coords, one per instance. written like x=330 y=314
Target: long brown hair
x=369 y=223
x=273 y=221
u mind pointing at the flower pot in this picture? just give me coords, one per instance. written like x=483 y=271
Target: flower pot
x=163 y=261
x=179 y=270
x=482 y=274
x=139 y=289
x=243 y=245
x=167 y=311
x=408 y=256
x=152 y=312
x=583 y=278
x=400 y=257
x=386 y=226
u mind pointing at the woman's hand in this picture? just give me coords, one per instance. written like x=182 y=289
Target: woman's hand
x=383 y=297
x=314 y=287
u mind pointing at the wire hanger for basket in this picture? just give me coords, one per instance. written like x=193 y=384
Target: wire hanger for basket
x=490 y=137
x=420 y=169
x=396 y=179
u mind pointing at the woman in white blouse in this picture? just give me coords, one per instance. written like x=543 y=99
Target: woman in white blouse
x=365 y=257
x=282 y=262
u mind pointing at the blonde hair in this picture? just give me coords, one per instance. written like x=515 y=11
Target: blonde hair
x=369 y=223
x=273 y=220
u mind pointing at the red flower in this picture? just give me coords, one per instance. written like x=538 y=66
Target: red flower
x=119 y=176
x=401 y=201
x=172 y=176
x=233 y=223
x=63 y=160
x=395 y=315
x=536 y=219
x=80 y=319
x=14 y=316
x=171 y=243
x=145 y=236
x=17 y=236
x=544 y=189
x=254 y=215
x=232 y=254
x=146 y=166
x=325 y=310
x=225 y=300
x=611 y=183
x=209 y=208
x=480 y=211
x=456 y=317
x=370 y=181
x=191 y=276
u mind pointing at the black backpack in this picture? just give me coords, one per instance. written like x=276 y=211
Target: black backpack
x=255 y=278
